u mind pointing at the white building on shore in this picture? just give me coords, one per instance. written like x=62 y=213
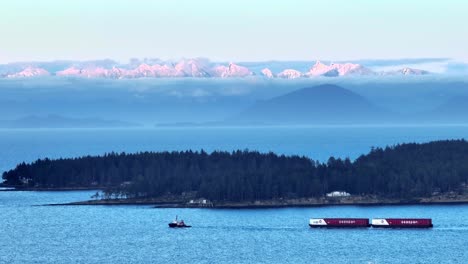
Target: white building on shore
x=338 y=194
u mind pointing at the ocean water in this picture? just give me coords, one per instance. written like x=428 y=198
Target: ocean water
x=318 y=143
x=139 y=234
x=32 y=233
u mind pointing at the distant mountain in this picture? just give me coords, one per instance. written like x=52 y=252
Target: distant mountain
x=156 y=70
x=93 y=72
x=72 y=71
x=407 y=71
x=185 y=68
x=195 y=68
x=232 y=70
x=320 y=69
x=56 y=121
x=267 y=73
x=29 y=72
x=324 y=104
x=455 y=110
x=337 y=69
x=290 y=74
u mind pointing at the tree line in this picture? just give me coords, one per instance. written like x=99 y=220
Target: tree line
x=400 y=171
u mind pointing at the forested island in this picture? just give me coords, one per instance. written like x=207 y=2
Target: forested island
x=406 y=172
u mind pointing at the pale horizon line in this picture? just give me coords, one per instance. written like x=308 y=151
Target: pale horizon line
x=395 y=59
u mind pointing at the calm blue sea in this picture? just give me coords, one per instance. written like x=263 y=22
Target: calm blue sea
x=30 y=233
x=139 y=234
x=319 y=143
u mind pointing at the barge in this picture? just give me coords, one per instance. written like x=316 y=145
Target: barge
x=339 y=222
x=402 y=222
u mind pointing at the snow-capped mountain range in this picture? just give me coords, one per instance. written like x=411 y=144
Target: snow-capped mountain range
x=29 y=72
x=200 y=68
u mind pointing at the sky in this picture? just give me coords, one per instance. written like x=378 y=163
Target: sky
x=232 y=30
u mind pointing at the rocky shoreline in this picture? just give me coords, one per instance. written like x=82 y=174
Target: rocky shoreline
x=280 y=203
x=7 y=188
x=186 y=201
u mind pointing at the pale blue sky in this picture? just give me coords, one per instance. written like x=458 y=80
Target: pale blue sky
x=237 y=30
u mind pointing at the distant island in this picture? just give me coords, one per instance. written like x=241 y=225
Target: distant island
x=406 y=173
x=332 y=104
x=58 y=121
x=329 y=104
x=322 y=104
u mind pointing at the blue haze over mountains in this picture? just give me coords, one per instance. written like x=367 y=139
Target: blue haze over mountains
x=225 y=101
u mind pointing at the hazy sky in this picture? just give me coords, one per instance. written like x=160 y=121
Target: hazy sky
x=234 y=30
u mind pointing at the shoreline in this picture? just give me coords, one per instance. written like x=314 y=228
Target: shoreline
x=161 y=203
x=182 y=202
x=36 y=189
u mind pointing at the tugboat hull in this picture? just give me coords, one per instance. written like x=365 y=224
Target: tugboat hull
x=174 y=225
x=178 y=224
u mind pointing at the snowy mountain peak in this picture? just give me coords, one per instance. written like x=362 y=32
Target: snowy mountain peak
x=72 y=71
x=232 y=70
x=290 y=74
x=267 y=73
x=192 y=68
x=155 y=70
x=337 y=69
x=350 y=68
x=29 y=72
x=319 y=69
x=411 y=71
x=92 y=72
x=405 y=71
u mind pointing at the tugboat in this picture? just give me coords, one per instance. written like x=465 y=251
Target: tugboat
x=178 y=224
